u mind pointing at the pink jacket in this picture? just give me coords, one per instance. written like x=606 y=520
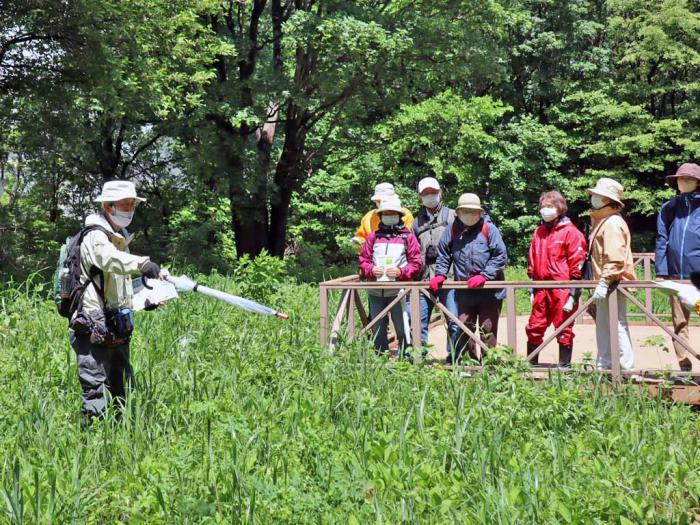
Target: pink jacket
x=399 y=244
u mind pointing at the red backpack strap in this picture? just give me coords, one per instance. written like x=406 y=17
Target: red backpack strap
x=453 y=232
x=485 y=229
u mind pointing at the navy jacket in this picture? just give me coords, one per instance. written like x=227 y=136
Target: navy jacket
x=678 y=237
x=471 y=253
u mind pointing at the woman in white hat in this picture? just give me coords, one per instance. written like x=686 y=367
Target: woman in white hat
x=611 y=262
x=475 y=250
x=392 y=253
x=370 y=220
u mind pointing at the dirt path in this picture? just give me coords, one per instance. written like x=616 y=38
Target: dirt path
x=652 y=347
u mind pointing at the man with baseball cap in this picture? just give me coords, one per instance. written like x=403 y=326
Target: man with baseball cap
x=370 y=221
x=428 y=226
x=100 y=329
x=678 y=246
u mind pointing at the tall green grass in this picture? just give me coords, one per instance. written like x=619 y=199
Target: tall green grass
x=245 y=419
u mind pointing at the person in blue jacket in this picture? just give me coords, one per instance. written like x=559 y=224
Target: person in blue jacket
x=474 y=248
x=678 y=245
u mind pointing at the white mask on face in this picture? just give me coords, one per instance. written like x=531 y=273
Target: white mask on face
x=391 y=220
x=687 y=185
x=121 y=218
x=431 y=201
x=597 y=202
x=469 y=218
x=549 y=214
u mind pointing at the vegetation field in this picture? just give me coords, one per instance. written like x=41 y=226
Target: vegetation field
x=239 y=419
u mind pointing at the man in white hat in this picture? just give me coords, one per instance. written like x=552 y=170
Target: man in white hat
x=428 y=226
x=370 y=221
x=611 y=262
x=100 y=329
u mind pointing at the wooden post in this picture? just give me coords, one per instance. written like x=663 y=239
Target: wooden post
x=614 y=333
x=324 y=316
x=511 y=317
x=647 y=277
x=415 y=325
x=351 y=314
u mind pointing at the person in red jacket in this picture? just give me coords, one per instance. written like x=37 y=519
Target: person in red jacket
x=391 y=253
x=557 y=253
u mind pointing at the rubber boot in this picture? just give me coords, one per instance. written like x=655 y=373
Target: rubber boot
x=565 y=352
x=531 y=348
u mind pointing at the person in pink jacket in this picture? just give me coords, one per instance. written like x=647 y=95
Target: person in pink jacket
x=392 y=253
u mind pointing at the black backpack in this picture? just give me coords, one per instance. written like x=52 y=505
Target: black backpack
x=68 y=290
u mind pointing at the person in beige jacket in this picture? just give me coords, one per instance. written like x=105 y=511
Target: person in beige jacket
x=100 y=329
x=611 y=262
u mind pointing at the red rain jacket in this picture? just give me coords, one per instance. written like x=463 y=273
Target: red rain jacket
x=557 y=253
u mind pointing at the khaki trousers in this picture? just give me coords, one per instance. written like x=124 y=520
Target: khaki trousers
x=681 y=318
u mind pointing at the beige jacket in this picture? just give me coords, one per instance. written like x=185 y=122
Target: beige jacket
x=111 y=255
x=611 y=247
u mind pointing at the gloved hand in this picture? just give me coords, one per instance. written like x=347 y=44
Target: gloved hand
x=149 y=306
x=436 y=282
x=150 y=270
x=476 y=281
x=569 y=305
x=601 y=291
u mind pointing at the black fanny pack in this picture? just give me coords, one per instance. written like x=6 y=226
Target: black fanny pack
x=431 y=255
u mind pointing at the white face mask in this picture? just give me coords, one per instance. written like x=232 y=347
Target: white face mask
x=469 y=218
x=597 y=202
x=431 y=201
x=687 y=185
x=391 y=220
x=121 y=218
x=549 y=214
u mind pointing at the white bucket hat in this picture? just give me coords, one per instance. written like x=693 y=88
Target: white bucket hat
x=469 y=202
x=391 y=204
x=609 y=188
x=428 y=182
x=382 y=191
x=116 y=190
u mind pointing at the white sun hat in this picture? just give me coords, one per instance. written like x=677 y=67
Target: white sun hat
x=428 y=182
x=609 y=188
x=116 y=190
x=391 y=204
x=382 y=191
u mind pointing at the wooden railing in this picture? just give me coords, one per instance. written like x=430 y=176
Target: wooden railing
x=351 y=305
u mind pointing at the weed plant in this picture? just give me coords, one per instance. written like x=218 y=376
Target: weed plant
x=244 y=419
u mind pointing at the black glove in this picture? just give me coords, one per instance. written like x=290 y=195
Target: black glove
x=149 y=306
x=150 y=270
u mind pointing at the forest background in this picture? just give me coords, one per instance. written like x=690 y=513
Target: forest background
x=263 y=125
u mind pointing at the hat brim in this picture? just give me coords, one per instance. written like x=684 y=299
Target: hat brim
x=469 y=207
x=429 y=187
x=672 y=180
x=593 y=191
x=105 y=199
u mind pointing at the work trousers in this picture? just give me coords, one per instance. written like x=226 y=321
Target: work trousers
x=101 y=370
x=480 y=316
x=602 y=330
x=548 y=309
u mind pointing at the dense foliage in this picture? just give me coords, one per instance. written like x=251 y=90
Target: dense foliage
x=244 y=419
x=264 y=124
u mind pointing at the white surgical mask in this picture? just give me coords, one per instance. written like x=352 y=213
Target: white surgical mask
x=431 y=201
x=391 y=220
x=121 y=218
x=469 y=218
x=549 y=214
x=597 y=202
x=687 y=185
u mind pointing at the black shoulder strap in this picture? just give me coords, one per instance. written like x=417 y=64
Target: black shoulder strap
x=93 y=271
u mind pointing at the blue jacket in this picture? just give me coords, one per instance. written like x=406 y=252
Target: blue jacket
x=678 y=237
x=470 y=253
